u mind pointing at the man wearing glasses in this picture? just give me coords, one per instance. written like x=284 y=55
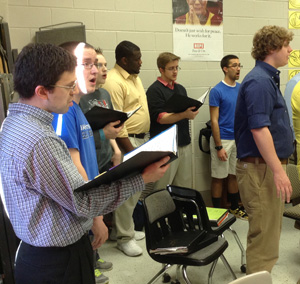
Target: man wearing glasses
x=39 y=178
x=75 y=130
x=180 y=171
x=222 y=102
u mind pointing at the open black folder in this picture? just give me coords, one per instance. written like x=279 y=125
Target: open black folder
x=180 y=242
x=161 y=145
x=98 y=116
x=178 y=103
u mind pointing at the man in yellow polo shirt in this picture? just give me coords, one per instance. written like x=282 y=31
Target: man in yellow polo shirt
x=127 y=93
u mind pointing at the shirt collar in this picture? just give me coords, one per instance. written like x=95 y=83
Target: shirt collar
x=43 y=115
x=165 y=83
x=124 y=73
x=272 y=71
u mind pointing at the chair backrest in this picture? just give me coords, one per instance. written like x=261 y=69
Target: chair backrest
x=165 y=224
x=192 y=202
x=158 y=206
x=293 y=175
x=262 y=277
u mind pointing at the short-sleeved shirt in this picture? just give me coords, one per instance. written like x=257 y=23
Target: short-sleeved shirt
x=261 y=104
x=103 y=148
x=74 y=129
x=224 y=97
x=157 y=95
x=127 y=93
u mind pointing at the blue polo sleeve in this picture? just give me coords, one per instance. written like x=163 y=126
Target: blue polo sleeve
x=260 y=102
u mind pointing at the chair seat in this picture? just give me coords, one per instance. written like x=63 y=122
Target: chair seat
x=293 y=212
x=202 y=257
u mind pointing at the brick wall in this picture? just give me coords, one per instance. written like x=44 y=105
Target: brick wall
x=148 y=23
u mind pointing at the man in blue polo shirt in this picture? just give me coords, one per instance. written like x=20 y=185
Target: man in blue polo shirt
x=264 y=141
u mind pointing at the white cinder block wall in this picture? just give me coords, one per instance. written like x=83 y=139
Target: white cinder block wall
x=148 y=23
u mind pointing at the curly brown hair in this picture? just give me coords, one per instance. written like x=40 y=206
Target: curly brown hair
x=269 y=38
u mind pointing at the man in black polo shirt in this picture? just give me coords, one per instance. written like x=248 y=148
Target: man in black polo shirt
x=264 y=141
x=180 y=171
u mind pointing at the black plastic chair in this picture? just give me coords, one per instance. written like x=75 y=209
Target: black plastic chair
x=165 y=217
x=181 y=192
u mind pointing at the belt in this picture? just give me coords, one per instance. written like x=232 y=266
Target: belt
x=140 y=136
x=260 y=160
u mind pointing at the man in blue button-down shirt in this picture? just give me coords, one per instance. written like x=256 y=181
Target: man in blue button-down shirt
x=264 y=141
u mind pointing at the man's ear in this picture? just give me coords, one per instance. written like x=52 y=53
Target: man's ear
x=161 y=70
x=41 y=92
x=225 y=70
x=271 y=51
x=124 y=61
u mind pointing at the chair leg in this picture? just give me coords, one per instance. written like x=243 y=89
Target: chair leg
x=225 y=262
x=178 y=272
x=184 y=275
x=211 y=271
x=160 y=273
x=243 y=252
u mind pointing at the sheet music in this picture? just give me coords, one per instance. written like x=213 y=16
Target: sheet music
x=165 y=141
x=203 y=97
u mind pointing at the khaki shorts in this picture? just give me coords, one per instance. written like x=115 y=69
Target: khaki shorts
x=221 y=169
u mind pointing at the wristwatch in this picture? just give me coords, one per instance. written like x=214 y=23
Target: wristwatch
x=218 y=148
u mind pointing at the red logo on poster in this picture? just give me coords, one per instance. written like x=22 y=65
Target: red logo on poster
x=198 y=45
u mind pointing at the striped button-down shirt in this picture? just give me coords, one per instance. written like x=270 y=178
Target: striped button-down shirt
x=38 y=179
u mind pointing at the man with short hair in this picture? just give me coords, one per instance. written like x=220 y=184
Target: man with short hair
x=222 y=101
x=75 y=130
x=108 y=152
x=39 y=178
x=127 y=93
x=264 y=142
x=164 y=88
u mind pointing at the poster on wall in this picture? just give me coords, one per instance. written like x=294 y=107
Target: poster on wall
x=198 y=29
x=294 y=62
x=294 y=4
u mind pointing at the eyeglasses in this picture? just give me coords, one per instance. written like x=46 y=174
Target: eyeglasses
x=175 y=68
x=89 y=66
x=66 y=87
x=235 y=65
x=192 y=2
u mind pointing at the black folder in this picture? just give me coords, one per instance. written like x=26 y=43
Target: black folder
x=178 y=103
x=98 y=116
x=129 y=168
x=138 y=159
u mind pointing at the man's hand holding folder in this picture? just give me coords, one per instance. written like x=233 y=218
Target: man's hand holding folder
x=156 y=170
x=111 y=131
